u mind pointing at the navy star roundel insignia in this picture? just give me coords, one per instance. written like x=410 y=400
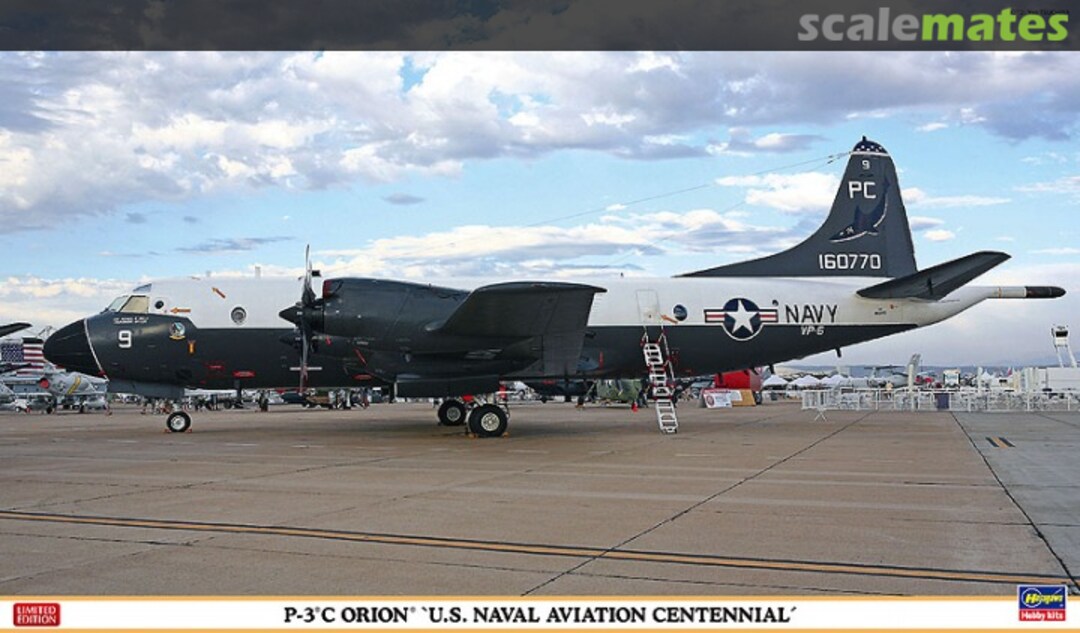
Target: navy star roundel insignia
x=741 y=318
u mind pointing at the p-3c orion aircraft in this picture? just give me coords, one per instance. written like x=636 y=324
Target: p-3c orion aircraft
x=853 y=280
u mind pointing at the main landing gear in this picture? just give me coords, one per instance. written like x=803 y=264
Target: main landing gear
x=452 y=413
x=485 y=420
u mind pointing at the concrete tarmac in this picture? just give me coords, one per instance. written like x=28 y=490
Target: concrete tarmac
x=749 y=501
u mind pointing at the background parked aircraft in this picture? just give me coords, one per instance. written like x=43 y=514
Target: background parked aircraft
x=25 y=372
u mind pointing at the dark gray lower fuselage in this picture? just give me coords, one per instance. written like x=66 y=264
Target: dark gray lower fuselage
x=262 y=358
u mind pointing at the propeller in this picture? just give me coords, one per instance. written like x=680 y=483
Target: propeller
x=302 y=315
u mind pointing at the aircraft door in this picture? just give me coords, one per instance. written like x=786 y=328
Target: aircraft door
x=648 y=307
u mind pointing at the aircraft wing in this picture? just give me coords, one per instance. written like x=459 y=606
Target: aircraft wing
x=12 y=328
x=546 y=320
x=521 y=310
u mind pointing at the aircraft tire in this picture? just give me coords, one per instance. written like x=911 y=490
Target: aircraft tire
x=452 y=413
x=178 y=422
x=488 y=421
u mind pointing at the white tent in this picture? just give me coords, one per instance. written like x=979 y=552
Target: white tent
x=774 y=382
x=836 y=380
x=806 y=382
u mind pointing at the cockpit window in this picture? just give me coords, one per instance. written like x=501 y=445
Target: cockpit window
x=117 y=303
x=138 y=304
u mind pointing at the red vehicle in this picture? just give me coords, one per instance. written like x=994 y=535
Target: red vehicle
x=742 y=379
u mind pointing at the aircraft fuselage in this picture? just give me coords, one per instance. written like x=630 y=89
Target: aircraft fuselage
x=223 y=333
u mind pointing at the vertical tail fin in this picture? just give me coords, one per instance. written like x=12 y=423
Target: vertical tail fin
x=865 y=235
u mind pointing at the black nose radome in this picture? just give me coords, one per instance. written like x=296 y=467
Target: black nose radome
x=69 y=348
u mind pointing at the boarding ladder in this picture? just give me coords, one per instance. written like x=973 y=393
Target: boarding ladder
x=660 y=377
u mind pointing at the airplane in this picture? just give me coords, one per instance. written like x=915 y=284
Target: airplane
x=63 y=387
x=855 y=279
x=72 y=385
x=11 y=328
x=24 y=366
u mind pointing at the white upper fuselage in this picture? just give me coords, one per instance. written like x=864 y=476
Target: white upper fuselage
x=254 y=303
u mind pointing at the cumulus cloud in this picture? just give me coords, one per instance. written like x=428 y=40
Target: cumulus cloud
x=916 y=197
x=932 y=127
x=742 y=142
x=1065 y=184
x=919 y=223
x=1046 y=158
x=56 y=302
x=482 y=250
x=939 y=235
x=83 y=134
x=806 y=192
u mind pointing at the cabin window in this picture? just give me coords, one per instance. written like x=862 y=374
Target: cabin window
x=159 y=304
x=239 y=315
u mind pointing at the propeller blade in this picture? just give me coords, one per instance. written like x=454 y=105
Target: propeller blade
x=304 y=345
x=304 y=315
x=308 y=298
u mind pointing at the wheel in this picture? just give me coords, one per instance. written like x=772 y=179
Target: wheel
x=488 y=421
x=178 y=422
x=452 y=413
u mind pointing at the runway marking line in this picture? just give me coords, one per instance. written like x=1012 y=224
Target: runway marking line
x=1000 y=442
x=552 y=550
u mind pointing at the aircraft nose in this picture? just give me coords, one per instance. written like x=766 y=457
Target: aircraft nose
x=69 y=347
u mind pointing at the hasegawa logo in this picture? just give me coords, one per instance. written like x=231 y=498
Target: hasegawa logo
x=1041 y=603
x=36 y=614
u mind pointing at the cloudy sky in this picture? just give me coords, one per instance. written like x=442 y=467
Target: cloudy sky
x=121 y=167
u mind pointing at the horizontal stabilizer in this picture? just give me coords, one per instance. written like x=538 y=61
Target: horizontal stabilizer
x=12 y=328
x=937 y=281
x=521 y=310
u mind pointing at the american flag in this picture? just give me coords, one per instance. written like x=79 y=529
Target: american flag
x=28 y=351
